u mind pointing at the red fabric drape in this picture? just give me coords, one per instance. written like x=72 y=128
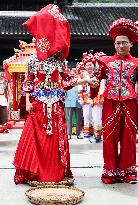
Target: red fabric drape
x=40 y=156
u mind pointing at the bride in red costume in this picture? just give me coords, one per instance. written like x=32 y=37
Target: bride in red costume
x=43 y=150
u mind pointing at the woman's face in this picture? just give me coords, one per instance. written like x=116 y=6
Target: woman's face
x=89 y=67
x=122 y=45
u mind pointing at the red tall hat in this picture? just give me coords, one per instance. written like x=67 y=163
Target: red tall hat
x=51 y=31
x=80 y=67
x=87 y=58
x=125 y=27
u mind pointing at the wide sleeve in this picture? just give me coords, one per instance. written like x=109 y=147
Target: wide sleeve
x=28 y=83
x=100 y=65
x=68 y=79
x=99 y=71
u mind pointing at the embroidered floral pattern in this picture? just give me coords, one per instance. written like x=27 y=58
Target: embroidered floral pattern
x=48 y=85
x=46 y=67
x=22 y=176
x=122 y=174
x=133 y=77
x=49 y=130
x=62 y=134
x=43 y=45
x=125 y=22
x=109 y=173
x=54 y=11
x=48 y=97
x=46 y=82
x=119 y=78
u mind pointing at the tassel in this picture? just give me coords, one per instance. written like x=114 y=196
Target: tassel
x=49 y=122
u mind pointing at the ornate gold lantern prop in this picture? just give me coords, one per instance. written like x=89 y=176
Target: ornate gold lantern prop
x=16 y=66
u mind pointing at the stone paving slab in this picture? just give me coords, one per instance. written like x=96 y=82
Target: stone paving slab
x=98 y=193
x=87 y=179
x=83 y=155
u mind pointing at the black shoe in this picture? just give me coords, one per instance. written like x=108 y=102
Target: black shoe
x=98 y=139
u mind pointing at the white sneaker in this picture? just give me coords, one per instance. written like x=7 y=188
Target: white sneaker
x=85 y=139
x=91 y=139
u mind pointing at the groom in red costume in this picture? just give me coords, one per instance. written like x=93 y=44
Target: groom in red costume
x=120 y=107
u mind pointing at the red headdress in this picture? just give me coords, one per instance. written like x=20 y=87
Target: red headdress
x=51 y=31
x=125 y=27
x=87 y=58
x=80 y=67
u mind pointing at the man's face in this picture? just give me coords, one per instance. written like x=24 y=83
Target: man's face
x=89 y=67
x=122 y=45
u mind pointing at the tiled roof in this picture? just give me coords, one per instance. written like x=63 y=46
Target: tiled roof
x=86 y=20
x=94 y=20
x=11 y=22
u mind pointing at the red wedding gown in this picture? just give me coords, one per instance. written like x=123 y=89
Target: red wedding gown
x=43 y=149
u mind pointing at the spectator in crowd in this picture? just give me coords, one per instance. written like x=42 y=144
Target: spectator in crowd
x=72 y=105
x=91 y=101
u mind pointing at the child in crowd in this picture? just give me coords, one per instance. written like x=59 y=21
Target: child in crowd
x=91 y=101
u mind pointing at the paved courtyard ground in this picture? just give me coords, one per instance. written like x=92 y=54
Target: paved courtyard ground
x=86 y=163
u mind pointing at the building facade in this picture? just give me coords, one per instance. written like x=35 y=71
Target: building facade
x=89 y=24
